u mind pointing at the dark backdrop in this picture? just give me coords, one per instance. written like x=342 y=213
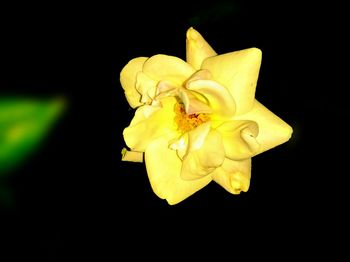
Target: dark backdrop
x=75 y=198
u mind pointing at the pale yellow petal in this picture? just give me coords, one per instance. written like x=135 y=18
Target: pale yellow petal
x=180 y=144
x=234 y=176
x=170 y=68
x=238 y=72
x=273 y=131
x=239 y=138
x=145 y=129
x=197 y=48
x=163 y=169
x=132 y=156
x=220 y=100
x=143 y=112
x=204 y=160
x=146 y=87
x=128 y=80
x=192 y=104
x=202 y=74
x=166 y=88
x=197 y=136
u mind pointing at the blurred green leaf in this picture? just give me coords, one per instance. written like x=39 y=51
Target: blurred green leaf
x=213 y=12
x=24 y=122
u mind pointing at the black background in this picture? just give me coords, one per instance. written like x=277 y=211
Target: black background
x=75 y=198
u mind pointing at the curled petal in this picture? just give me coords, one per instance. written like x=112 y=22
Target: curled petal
x=180 y=145
x=202 y=74
x=201 y=162
x=193 y=104
x=163 y=169
x=197 y=136
x=190 y=141
x=128 y=80
x=239 y=138
x=219 y=98
x=197 y=49
x=234 y=176
x=146 y=87
x=170 y=68
x=144 y=129
x=166 y=88
x=273 y=131
x=238 y=72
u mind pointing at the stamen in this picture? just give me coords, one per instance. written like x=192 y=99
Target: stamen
x=187 y=122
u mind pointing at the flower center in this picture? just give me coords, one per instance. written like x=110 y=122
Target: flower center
x=187 y=122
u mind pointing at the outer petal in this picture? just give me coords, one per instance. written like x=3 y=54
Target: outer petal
x=197 y=49
x=170 y=68
x=234 y=176
x=203 y=161
x=238 y=72
x=128 y=80
x=273 y=131
x=146 y=128
x=164 y=167
x=239 y=138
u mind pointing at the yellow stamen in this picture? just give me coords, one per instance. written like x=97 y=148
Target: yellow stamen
x=187 y=122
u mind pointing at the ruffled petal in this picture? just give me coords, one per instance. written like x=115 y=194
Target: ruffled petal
x=239 y=138
x=273 y=131
x=192 y=103
x=204 y=160
x=197 y=49
x=180 y=145
x=128 y=80
x=234 y=176
x=219 y=98
x=170 y=68
x=163 y=169
x=147 y=127
x=146 y=87
x=238 y=72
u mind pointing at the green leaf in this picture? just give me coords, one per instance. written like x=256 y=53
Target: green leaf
x=24 y=123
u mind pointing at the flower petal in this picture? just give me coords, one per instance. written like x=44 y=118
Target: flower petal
x=163 y=169
x=170 y=68
x=238 y=72
x=128 y=80
x=132 y=156
x=197 y=49
x=146 y=128
x=219 y=98
x=234 y=176
x=239 y=138
x=204 y=160
x=146 y=87
x=180 y=145
x=197 y=136
x=273 y=131
x=192 y=103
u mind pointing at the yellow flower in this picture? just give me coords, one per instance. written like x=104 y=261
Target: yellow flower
x=198 y=121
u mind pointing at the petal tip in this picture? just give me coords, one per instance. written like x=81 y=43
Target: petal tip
x=255 y=53
x=289 y=132
x=171 y=202
x=239 y=183
x=192 y=34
